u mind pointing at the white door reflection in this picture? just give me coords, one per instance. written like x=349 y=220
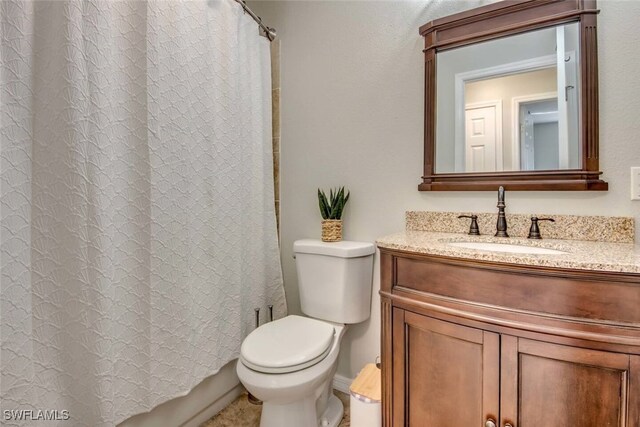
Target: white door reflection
x=483 y=141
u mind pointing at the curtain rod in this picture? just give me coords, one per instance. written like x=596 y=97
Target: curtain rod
x=269 y=32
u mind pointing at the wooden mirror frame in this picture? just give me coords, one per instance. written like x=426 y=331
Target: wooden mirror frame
x=498 y=20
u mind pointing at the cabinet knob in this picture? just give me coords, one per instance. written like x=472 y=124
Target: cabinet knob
x=490 y=423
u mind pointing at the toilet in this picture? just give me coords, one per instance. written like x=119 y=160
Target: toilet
x=289 y=363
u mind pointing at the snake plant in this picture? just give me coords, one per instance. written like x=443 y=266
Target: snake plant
x=332 y=207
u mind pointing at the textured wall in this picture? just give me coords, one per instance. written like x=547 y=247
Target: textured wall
x=352 y=105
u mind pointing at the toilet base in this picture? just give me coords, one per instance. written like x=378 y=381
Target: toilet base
x=333 y=414
x=298 y=399
x=302 y=414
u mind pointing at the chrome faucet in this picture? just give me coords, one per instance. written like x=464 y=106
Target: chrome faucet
x=501 y=226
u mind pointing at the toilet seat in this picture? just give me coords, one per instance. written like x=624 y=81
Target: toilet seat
x=287 y=345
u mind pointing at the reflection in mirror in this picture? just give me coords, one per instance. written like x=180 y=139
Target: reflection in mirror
x=510 y=104
x=538 y=134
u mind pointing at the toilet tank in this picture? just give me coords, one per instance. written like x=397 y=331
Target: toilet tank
x=334 y=279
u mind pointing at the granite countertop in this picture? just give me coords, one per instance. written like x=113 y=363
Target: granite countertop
x=581 y=255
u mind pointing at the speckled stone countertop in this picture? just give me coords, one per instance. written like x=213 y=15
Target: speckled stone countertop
x=566 y=227
x=581 y=255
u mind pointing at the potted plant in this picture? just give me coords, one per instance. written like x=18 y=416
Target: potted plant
x=331 y=209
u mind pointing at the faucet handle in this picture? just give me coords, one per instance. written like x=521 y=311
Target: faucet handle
x=473 y=229
x=534 y=231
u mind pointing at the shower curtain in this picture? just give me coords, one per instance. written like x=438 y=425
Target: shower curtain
x=137 y=223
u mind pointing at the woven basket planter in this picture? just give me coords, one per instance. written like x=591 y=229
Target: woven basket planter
x=331 y=230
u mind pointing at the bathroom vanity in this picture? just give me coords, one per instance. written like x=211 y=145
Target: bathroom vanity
x=513 y=339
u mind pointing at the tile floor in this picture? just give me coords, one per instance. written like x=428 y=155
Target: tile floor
x=240 y=413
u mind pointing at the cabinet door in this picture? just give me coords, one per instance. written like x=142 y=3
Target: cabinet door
x=444 y=374
x=546 y=384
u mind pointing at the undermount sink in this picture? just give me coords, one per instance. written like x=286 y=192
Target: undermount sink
x=506 y=247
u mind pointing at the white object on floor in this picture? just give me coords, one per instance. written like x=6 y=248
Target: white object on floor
x=294 y=399
x=365 y=400
x=289 y=364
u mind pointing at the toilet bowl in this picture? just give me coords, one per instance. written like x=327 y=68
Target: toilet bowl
x=289 y=363
x=299 y=395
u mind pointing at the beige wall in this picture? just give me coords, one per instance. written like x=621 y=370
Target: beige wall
x=352 y=114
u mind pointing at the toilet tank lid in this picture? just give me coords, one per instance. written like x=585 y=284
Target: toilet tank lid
x=342 y=249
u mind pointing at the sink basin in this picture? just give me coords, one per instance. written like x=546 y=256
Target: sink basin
x=506 y=247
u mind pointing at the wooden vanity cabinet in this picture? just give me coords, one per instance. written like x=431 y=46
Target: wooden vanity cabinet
x=441 y=360
x=546 y=384
x=451 y=358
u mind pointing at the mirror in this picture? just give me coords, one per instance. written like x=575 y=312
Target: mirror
x=511 y=98
x=505 y=114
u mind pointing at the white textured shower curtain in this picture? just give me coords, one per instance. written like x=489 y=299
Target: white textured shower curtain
x=136 y=194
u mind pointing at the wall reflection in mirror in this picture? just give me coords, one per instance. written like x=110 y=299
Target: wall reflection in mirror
x=510 y=104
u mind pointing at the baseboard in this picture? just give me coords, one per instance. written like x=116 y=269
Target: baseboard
x=215 y=407
x=342 y=384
